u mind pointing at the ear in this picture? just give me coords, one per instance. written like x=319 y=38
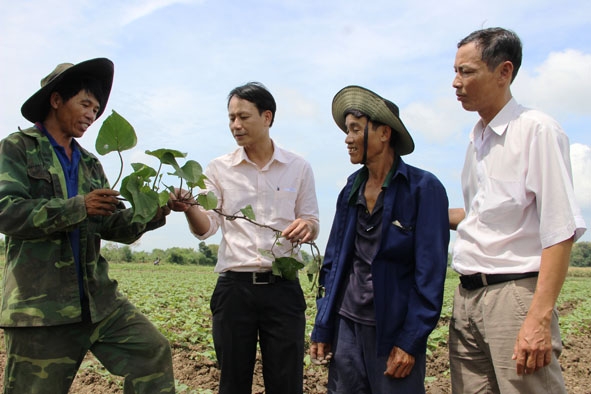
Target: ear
x=386 y=133
x=55 y=100
x=268 y=115
x=505 y=72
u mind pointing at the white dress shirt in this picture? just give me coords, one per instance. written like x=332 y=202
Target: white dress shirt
x=518 y=193
x=279 y=193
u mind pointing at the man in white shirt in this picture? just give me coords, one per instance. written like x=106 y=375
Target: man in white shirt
x=515 y=235
x=249 y=302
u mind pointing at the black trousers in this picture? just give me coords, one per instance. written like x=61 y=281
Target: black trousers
x=273 y=314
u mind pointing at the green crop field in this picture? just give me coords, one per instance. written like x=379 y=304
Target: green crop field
x=176 y=299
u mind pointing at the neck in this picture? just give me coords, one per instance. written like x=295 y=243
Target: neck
x=489 y=114
x=260 y=153
x=378 y=170
x=52 y=127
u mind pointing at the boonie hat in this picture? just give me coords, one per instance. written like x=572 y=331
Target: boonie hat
x=377 y=108
x=101 y=69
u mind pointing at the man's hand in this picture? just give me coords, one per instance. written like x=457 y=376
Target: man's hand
x=101 y=202
x=299 y=231
x=181 y=200
x=320 y=353
x=399 y=364
x=533 y=347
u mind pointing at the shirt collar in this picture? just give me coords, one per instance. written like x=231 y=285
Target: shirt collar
x=240 y=155
x=499 y=123
x=52 y=141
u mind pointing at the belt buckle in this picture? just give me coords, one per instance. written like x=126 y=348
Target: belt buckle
x=483 y=279
x=255 y=280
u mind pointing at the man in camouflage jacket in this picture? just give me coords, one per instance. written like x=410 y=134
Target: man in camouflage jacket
x=58 y=301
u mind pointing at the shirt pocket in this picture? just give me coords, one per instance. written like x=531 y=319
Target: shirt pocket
x=398 y=244
x=41 y=182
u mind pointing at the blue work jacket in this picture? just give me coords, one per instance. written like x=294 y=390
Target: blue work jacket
x=408 y=271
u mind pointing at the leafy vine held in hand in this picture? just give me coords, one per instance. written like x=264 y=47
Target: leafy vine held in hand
x=142 y=189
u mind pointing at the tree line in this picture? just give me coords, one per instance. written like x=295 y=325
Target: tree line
x=204 y=255
x=207 y=254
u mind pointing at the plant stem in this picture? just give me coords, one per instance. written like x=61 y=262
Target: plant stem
x=120 y=170
x=156 y=177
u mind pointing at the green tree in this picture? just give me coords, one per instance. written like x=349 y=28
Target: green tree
x=110 y=251
x=581 y=255
x=142 y=257
x=208 y=257
x=183 y=256
x=125 y=254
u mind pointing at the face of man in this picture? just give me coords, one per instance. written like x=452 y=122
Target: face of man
x=74 y=116
x=477 y=88
x=246 y=124
x=377 y=139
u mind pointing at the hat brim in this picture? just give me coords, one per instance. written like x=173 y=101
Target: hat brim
x=374 y=106
x=102 y=69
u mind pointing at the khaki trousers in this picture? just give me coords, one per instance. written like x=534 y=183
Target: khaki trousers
x=482 y=333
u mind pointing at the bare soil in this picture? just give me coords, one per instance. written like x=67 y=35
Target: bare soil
x=197 y=374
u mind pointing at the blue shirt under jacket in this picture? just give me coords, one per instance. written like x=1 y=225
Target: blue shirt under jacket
x=408 y=271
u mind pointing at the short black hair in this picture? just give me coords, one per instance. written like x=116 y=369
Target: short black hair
x=497 y=45
x=258 y=94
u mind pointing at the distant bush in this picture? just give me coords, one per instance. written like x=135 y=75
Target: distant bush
x=581 y=255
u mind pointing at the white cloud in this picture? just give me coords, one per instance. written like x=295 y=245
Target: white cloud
x=437 y=121
x=581 y=166
x=560 y=85
x=141 y=8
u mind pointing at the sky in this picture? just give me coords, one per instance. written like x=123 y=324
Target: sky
x=177 y=60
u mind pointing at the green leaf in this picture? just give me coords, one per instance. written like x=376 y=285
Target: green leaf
x=163 y=198
x=248 y=212
x=115 y=134
x=166 y=156
x=208 y=201
x=144 y=201
x=143 y=171
x=287 y=267
x=192 y=173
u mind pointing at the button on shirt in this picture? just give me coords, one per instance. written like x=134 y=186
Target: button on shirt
x=279 y=193
x=518 y=193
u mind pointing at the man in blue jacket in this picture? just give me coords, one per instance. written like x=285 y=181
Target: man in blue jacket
x=386 y=257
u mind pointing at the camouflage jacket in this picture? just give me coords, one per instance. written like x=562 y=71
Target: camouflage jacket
x=40 y=286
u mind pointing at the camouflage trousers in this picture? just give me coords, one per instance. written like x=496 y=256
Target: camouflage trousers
x=43 y=360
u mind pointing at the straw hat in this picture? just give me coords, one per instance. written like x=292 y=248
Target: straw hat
x=377 y=108
x=35 y=108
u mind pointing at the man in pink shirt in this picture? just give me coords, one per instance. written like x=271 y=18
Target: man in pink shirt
x=249 y=302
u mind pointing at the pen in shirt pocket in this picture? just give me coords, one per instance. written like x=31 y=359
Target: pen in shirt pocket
x=400 y=226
